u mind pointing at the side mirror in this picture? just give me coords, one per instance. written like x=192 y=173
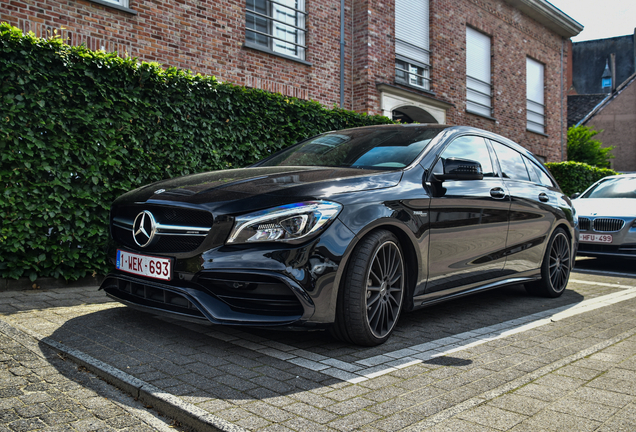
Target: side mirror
x=460 y=169
x=576 y=195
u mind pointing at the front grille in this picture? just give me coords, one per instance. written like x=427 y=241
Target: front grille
x=151 y=296
x=252 y=294
x=167 y=215
x=608 y=225
x=584 y=224
x=601 y=224
x=165 y=243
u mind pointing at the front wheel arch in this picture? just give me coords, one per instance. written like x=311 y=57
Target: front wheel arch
x=355 y=298
x=416 y=268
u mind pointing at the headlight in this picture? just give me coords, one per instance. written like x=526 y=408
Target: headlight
x=287 y=223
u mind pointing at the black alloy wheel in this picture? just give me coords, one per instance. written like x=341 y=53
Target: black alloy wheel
x=556 y=267
x=372 y=294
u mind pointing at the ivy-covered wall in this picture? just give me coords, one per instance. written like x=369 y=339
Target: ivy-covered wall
x=79 y=127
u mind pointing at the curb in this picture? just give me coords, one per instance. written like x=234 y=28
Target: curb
x=24 y=284
x=172 y=406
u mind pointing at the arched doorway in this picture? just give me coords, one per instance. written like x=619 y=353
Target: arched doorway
x=412 y=114
x=410 y=107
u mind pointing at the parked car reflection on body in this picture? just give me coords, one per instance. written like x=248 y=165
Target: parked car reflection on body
x=345 y=231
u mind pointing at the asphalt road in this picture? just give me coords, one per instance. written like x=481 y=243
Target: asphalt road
x=606 y=266
x=500 y=360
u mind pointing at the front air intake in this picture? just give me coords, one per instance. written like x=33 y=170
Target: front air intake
x=150 y=296
x=252 y=293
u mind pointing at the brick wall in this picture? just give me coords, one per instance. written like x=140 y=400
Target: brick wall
x=208 y=36
x=205 y=36
x=514 y=36
x=617 y=120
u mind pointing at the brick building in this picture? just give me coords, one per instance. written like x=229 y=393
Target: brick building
x=602 y=94
x=615 y=116
x=493 y=64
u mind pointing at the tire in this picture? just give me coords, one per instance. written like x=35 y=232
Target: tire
x=372 y=292
x=555 y=268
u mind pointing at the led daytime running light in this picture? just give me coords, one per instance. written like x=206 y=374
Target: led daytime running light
x=285 y=223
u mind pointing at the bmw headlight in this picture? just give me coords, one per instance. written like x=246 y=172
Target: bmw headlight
x=287 y=223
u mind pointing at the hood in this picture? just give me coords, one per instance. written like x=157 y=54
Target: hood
x=605 y=207
x=246 y=189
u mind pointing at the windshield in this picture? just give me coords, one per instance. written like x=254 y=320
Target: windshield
x=616 y=187
x=377 y=148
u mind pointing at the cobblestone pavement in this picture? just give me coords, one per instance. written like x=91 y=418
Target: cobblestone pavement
x=495 y=361
x=42 y=390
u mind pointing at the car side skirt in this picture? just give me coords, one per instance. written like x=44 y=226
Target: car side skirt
x=435 y=297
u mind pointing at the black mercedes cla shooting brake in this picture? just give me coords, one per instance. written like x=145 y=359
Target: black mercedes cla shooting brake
x=345 y=230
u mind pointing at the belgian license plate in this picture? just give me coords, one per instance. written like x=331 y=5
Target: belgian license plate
x=595 y=238
x=144 y=265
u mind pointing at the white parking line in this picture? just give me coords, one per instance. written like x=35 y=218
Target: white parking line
x=372 y=367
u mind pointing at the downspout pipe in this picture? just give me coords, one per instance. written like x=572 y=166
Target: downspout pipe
x=342 y=51
x=562 y=85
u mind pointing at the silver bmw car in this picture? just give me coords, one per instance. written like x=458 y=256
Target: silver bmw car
x=607 y=217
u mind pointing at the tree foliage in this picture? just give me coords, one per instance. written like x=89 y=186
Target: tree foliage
x=582 y=147
x=80 y=127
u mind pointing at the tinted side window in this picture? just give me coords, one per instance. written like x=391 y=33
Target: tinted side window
x=537 y=175
x=473 y=148
x=511 y=162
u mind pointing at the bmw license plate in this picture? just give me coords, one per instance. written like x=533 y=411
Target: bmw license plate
x=595 y=238
x=144 y=265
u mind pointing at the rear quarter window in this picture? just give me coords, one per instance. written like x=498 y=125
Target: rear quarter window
x=537 y=175
x=511 y=162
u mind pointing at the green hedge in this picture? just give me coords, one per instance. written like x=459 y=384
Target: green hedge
x=576 y=176
x=78 y=128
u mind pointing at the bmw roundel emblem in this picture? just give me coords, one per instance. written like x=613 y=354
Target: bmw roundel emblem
x=144 y=228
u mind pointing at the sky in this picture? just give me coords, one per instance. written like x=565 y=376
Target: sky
x=601 y=18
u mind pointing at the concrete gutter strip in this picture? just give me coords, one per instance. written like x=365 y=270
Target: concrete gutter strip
x=172 y=406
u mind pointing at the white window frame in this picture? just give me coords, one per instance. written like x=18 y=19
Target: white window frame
x=478 y=73
x=278 y=26
x=122 y=3
x=412 y=55
x=535 y=96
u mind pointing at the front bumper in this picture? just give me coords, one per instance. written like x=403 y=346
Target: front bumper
x=196 y=301
x=623 y=243
x=263 y=285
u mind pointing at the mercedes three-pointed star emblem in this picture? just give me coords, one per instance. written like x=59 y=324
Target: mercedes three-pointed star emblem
x=144 y=228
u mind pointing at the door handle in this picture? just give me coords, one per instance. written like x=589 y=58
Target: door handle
x=497 y=193
x=544 y=197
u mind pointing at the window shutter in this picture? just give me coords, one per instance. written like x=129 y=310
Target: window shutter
x=411 y=31
x=478 y=83
x=535 y=107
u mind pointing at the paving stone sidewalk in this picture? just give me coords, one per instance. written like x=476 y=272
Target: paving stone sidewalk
x=41 y=390
x=577 y=373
